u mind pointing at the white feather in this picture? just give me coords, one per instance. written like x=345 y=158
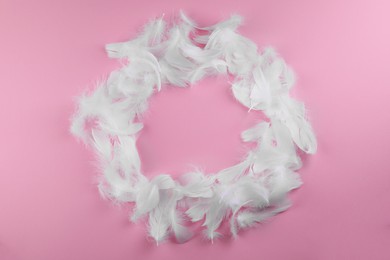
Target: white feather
x=247 y=219
x=197 y=185
x=255 y=133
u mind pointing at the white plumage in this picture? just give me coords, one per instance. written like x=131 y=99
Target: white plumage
x=249 y=192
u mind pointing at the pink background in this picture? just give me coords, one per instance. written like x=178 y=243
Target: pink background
x=52 y=50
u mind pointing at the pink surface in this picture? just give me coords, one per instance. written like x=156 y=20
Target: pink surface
x=52 y=50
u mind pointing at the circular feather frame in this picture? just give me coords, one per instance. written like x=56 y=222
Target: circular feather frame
x=179 y=54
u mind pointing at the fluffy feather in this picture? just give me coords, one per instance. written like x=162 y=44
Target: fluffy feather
x=107 y=119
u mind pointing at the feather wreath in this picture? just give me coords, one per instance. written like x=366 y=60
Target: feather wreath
x=249 y=192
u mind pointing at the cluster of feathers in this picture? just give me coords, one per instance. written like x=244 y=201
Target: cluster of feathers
x=180 y=53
